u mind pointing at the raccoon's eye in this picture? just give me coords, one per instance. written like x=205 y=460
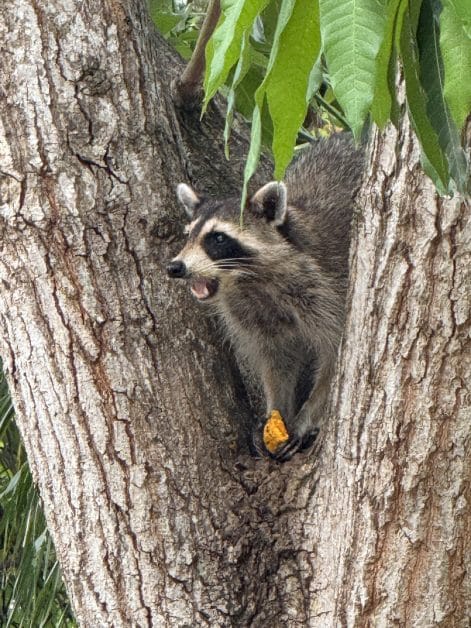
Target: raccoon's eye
x=219 y=238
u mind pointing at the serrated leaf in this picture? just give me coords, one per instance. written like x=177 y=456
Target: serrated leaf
x=432 y=80
x=384 y=91
x=435 y=164
x=455 y=44
x=352 y=32
x=288 y=80
x=223 y=48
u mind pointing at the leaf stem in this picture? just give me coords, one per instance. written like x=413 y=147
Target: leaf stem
x=333 y=112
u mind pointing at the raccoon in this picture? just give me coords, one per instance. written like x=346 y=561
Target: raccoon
x=278 y=280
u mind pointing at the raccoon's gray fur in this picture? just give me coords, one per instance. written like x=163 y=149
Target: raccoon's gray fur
x=278 y=282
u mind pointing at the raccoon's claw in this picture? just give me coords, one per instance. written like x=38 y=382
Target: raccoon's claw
x=287 y=451
x=296 y=443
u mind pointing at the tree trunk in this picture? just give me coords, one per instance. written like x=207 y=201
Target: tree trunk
x=132 y=413
x=395 y=493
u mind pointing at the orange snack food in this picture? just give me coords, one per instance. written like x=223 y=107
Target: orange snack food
x=274 y=432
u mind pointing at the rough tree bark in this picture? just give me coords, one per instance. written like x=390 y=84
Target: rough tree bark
x=399 y=452
x=132 y=414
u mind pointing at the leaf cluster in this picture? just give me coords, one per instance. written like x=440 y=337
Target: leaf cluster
x=290 y=53
x=31 y=590
x=178 y=22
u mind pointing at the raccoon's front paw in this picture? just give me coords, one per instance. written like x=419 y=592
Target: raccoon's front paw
x=297 y=442
x=282 y=443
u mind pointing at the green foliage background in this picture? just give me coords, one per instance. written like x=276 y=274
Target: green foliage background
x=351 y=48
x=31 y=590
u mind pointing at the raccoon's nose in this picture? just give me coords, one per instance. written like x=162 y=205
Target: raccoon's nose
x=176 y=268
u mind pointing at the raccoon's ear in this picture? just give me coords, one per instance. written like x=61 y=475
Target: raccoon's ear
x=188 y=198
x=271 y=201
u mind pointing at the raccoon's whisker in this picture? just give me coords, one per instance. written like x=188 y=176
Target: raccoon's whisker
x=242 y=270
x=240 y=262
x=245 y=271
x=203 y=268
x=243 y=260
x=232 y=263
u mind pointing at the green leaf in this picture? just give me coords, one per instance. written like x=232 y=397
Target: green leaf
x=165 y=21
x=435 y=164
x=431 y=172
x=245 y=92
x=223 y=48
x=245 y=101
x=455 y=44
x=253 y=156
x=384 y=90
x=432 y=80
x=270 y=19
x=297 y=45
x=182 y=48
x=462 y=10
x=243 y=66
x=352 y=32
x=315 y=80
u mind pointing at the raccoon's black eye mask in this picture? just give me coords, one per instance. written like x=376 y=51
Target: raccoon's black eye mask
x=220 y=246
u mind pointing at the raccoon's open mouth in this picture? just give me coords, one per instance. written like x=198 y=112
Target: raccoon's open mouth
x=204 y=289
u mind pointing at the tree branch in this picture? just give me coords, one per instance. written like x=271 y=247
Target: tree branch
x=187 y=89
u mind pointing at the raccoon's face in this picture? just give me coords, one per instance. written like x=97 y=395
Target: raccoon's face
x=219 y=250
